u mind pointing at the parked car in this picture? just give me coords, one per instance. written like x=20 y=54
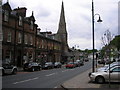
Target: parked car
x=48 y=65
x=8 y=69
x=107 y=66
x=81 y=62
x=57 y=65
x=32 y=66
x=86 y=60
x=77 y=64
x=101 y=77
x=70 y=65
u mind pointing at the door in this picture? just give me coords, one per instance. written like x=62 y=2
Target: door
x=115 y=73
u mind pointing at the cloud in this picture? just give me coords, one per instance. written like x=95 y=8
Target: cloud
x=78 y=16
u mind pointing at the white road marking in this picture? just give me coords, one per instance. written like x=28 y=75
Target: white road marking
x=26 y=80
x=50 y=74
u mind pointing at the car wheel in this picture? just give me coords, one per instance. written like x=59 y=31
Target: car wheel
x=33 y=69
x=100 y=79
x=14 y=71
x=39 y=69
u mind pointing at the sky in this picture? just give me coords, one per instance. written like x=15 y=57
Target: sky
x=78 y=15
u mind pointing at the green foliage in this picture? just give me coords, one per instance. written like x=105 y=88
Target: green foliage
x=116 y=42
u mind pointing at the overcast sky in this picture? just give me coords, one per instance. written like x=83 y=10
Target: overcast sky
x=78 y=18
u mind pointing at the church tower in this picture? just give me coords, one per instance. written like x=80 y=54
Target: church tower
x=62 y=32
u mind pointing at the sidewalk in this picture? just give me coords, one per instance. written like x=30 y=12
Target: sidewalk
x=80 y=81
x=83 y=81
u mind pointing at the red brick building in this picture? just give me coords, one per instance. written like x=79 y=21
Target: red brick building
x=22 y=40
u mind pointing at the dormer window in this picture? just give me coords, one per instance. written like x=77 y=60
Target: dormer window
x=31 y=25
x=20 y=21
x=6 y=15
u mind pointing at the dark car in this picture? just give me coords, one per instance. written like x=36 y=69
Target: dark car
x=8 y=69
x=77 y=64
x=32 y=66
x=80 y=62
x=86 y=59
x=48 y=65
x=57 y=65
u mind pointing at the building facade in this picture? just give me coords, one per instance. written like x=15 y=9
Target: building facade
x=23 y=41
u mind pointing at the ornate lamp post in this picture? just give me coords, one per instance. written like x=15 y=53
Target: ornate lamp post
x=99 y=20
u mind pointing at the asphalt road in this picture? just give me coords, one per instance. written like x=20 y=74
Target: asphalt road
x=43 y=79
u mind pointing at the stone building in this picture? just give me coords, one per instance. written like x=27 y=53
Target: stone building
x=19 y=33
x=23 y=41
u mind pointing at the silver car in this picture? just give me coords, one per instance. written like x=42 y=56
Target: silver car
x=101 y=77
x=8 y=69
x=107 y=66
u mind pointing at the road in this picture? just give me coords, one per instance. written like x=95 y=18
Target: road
x=43 y=79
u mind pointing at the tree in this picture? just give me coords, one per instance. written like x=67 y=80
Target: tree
x=106 y=40
x=116 y=42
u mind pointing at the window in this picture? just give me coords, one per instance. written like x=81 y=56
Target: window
x=117 y=69
x=42 y=43
x=1 y=37
x=19 y=37
x=20 y=21
x=31 y=26
x=9 y=36
x=6 y=15
x=26 y=39
x=31 y=40
x=8 y=56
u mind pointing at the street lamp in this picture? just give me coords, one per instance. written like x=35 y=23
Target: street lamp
x=99 y=20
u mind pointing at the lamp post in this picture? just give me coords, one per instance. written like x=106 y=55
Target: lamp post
x=99 y=20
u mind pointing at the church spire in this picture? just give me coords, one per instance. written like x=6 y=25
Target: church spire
x=32 y=13
x=62 y=23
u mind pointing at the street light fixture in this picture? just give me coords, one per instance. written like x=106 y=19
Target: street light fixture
x=99 y=20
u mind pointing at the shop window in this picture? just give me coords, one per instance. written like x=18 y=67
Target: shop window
x=8 y=56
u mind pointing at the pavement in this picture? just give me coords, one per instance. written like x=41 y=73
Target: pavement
x=82 y=81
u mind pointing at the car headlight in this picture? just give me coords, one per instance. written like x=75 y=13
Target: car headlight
x=92 y=75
